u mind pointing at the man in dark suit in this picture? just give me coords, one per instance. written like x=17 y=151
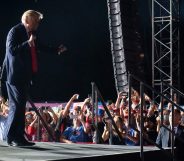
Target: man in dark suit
x=20 y=64
x=179 y=143
x=179 y=135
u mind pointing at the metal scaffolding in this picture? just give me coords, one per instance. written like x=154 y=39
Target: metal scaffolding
x=165 y=44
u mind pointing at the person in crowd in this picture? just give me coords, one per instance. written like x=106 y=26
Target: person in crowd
x=182 y=118
x=44 y=135
x=20 y=64
x=110 y=105
x=135 y=99
x=50 y=118
x=110 y=135
x=79 y=131
x=4 y=110
x=175 y=100
x=163 y=138
x=64 y=119
x=131 y=135
x=150 y=124
x=99 y=126
x=121 y=98
x=31 y=124
x=179 y=134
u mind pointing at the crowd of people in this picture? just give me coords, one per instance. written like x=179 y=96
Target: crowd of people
x=73 y=124
x=83 y=124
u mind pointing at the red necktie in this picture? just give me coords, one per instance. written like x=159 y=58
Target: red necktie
x=34 y=59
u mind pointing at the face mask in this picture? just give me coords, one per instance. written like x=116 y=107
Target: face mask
x=166 y=117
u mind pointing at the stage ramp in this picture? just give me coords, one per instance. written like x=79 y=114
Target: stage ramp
x=83 y=152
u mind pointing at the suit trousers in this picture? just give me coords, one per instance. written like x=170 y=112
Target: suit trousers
x=15 y=128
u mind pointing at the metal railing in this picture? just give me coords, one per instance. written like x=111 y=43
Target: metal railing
x=96 y=95
x=142 y=135
x=40 y=118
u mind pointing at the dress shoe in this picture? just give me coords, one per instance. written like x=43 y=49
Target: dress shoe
x=18 y=143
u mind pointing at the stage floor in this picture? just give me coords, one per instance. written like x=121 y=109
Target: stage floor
x=60 y=151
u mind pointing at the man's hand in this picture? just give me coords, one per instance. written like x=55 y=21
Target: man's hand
x=31 y=40
x=61 y=49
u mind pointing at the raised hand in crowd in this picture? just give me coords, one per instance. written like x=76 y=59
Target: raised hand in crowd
x=118 y=100
x=54 y=116
x=64 y=112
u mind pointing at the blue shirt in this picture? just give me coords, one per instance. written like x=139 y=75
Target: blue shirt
x=76 y=134
x=130 y=132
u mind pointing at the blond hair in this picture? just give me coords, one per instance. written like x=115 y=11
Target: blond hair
x=31 y=14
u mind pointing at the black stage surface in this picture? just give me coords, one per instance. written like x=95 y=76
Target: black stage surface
x=60 y=151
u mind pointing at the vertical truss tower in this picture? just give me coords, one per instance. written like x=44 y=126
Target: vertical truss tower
x=165 y=44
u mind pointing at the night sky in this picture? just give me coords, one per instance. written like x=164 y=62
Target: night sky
x=82 y=26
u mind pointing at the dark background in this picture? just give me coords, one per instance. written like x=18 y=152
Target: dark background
x=82 y=26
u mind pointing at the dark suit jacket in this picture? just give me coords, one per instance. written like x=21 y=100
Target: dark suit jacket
x=179 y=143
x=17 y=63
x=17 y=60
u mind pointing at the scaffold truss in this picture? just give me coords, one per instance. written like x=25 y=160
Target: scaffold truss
x=165 y=44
